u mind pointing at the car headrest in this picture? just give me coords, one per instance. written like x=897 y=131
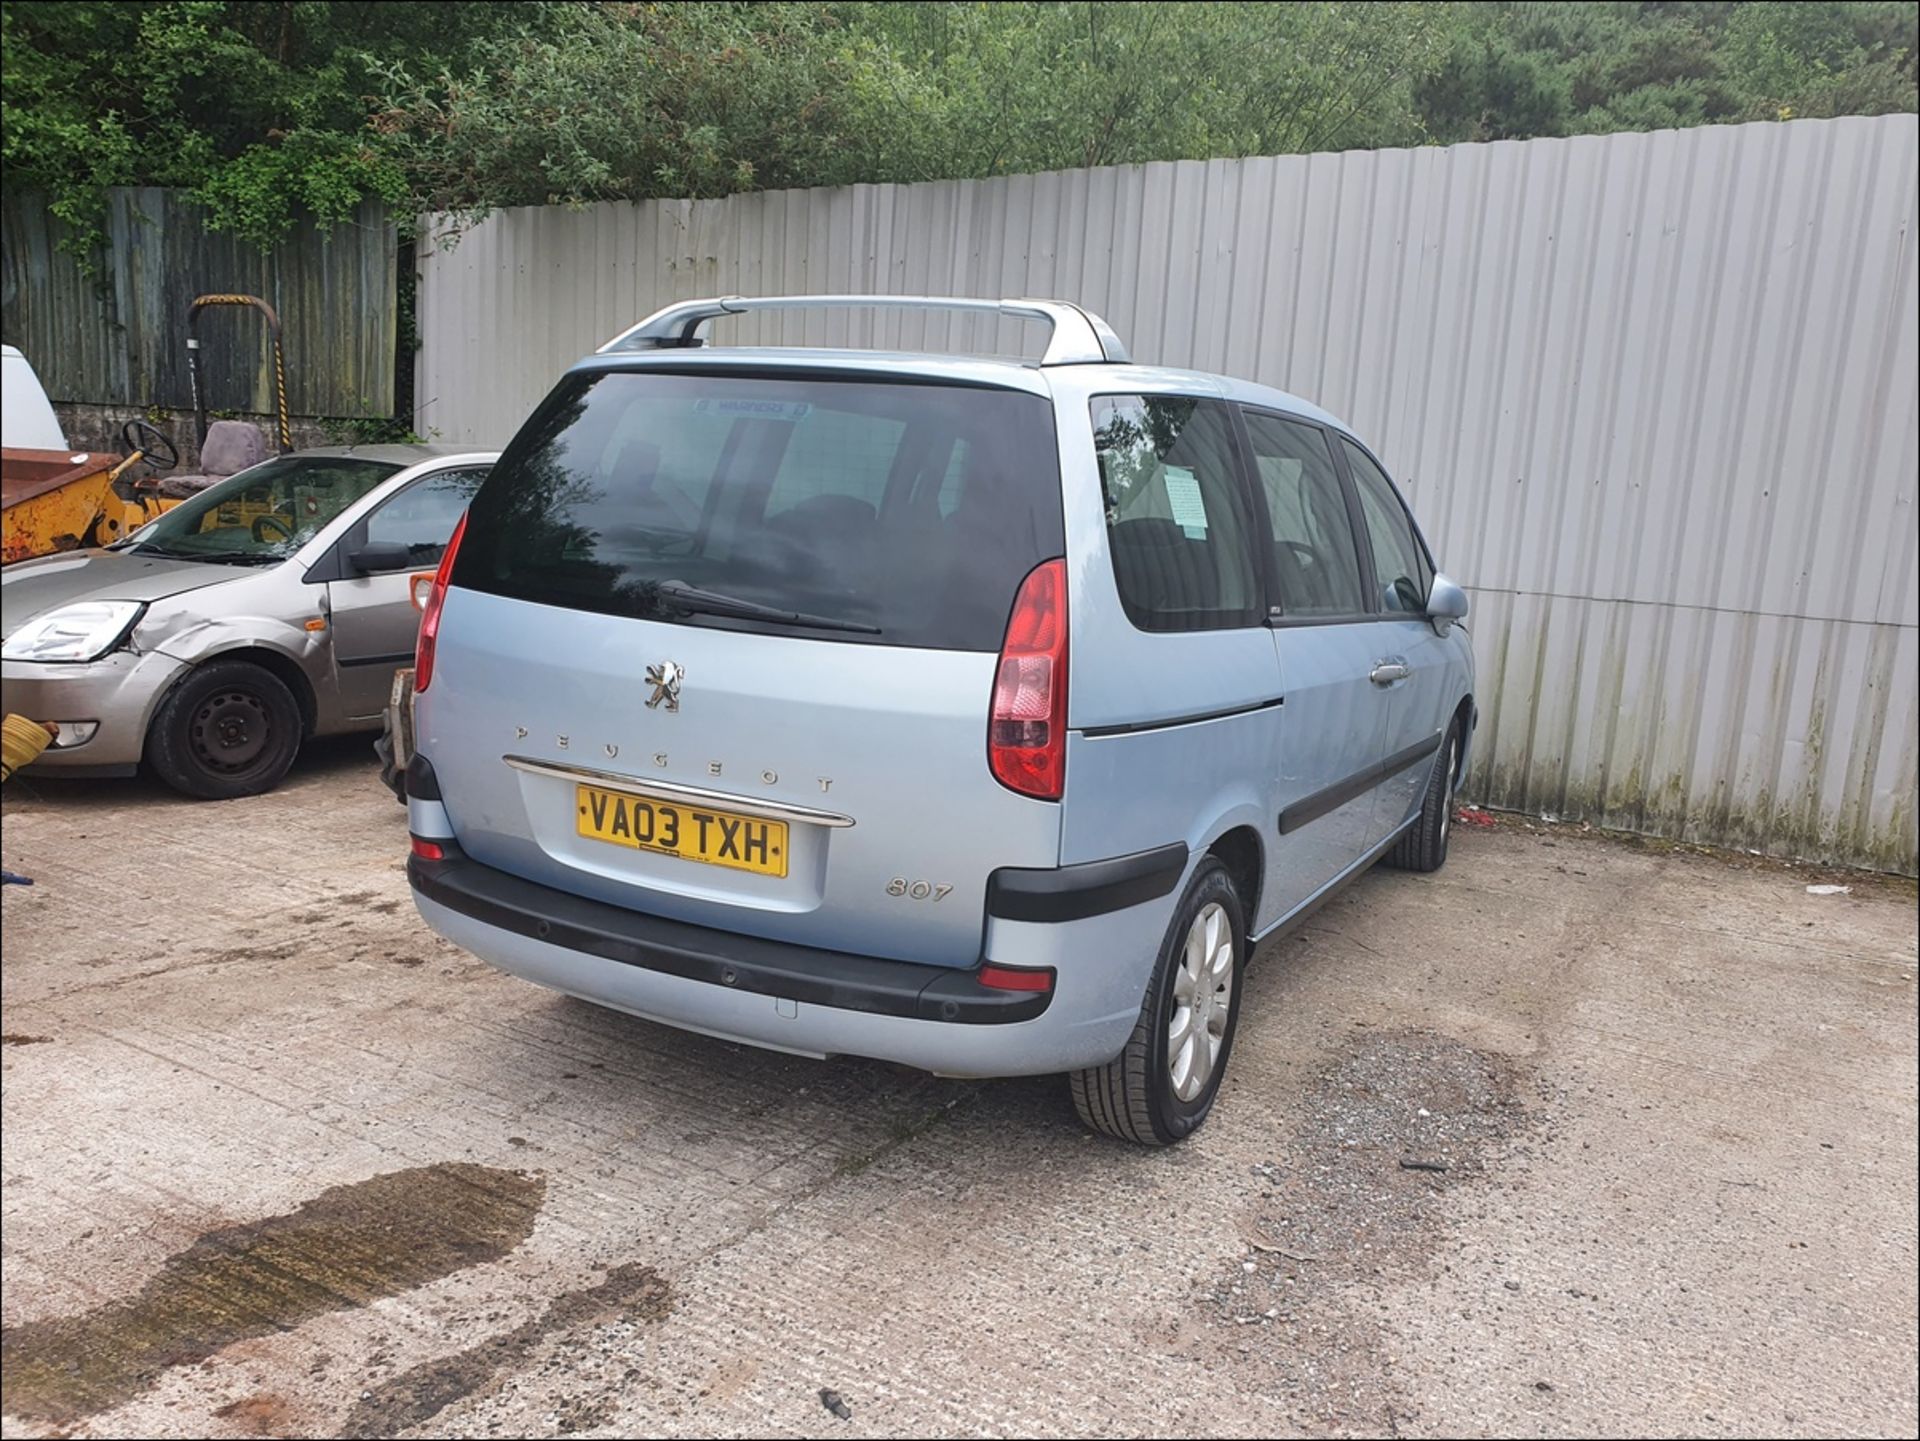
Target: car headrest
x=1149 y=533
x=231 y=446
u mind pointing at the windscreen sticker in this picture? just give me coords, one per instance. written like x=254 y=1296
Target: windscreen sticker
x=746 y=408
x=1183 y=498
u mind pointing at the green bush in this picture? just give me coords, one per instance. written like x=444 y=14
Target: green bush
x=270 y=111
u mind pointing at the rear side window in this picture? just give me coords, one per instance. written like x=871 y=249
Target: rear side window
x=914 y=509
x=1399 y=560
x=1314 y=556
x=1177 y=523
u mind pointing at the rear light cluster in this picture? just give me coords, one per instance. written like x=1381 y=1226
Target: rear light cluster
x=430 y=612
x=1027 y=733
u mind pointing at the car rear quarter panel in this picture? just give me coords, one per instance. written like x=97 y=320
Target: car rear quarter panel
x=1129 y=793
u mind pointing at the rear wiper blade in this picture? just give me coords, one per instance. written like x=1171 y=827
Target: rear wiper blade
x=712 y=602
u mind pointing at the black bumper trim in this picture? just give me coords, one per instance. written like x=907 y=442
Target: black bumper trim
x=1072 y=893
x=722 y=958
x=422 y=783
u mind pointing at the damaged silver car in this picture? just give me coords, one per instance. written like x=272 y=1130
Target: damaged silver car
x=210 y=643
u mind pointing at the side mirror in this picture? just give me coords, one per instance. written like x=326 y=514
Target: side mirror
x=379 y=556
x=1446 y=605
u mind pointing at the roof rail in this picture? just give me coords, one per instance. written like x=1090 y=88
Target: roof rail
x=1079 y=336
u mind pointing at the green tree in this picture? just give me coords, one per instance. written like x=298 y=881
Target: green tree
x=259 y=108
x=1811 y=60
x=269 y=111
x=1037 y=87
x=1529 y=68
x=1488 y=88
x=631 y=101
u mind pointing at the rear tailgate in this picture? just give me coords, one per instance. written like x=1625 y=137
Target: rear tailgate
x=828 y=786
x=771 y=728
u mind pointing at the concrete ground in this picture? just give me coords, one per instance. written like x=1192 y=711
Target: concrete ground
x=278 y=1162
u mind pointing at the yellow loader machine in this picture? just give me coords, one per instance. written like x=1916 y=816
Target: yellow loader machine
x=65 y=500
x=62 y=500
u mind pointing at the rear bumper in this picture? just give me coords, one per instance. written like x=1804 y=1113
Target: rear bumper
x=716 y=958
x=765 y=993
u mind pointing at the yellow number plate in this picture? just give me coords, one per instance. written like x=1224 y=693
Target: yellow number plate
x=693 y=833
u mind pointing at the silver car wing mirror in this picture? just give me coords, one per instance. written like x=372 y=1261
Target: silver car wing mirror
x=1446 y=604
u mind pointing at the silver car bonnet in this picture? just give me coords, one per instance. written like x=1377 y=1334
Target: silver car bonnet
x=36 y=586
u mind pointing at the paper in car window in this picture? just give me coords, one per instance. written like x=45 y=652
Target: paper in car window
x=747 y=408
x=1183 y=498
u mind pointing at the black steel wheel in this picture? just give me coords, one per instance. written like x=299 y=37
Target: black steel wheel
x=230 y=728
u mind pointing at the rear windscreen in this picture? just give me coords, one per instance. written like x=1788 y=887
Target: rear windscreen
x=912 y=509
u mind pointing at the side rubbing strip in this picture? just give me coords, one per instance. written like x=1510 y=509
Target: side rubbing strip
x=1311 y=808
x=1095 y=732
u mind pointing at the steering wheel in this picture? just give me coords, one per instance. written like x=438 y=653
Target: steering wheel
x=279 y=523
x=154 y=447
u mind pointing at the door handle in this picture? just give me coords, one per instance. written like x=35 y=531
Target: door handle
x=1386 y=672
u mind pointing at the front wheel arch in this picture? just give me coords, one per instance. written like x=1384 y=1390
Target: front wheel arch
x=1464 y=716
x=227 y=728
x=278 y=664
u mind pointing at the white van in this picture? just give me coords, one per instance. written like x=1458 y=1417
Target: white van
x=27 y=421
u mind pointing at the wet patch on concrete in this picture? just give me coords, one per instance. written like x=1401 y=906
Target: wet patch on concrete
x=1396 y=1131
x=349 y=1245
x=629 y=1292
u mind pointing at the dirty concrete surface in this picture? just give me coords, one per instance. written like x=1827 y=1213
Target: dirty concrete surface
x=1572 y=1138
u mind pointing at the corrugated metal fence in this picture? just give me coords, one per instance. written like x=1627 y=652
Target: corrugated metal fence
x=1653 y=397
x=119 y=337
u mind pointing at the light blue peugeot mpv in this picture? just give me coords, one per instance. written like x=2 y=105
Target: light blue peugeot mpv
x=973 y=714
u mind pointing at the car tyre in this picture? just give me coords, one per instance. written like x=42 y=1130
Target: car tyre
x=1161 y=1086
x=1424 y=846
x=228 y=729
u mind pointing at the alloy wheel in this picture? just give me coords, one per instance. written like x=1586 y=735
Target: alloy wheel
x=1202 y=1002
